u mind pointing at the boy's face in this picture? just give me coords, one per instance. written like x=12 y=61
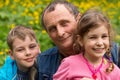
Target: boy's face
x=24 y=52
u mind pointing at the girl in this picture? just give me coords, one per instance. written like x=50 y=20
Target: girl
x=92 y=41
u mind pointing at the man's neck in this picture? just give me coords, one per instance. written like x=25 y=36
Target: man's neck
x=67 y=52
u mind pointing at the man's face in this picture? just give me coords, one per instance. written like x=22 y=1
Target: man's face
x=60 y=25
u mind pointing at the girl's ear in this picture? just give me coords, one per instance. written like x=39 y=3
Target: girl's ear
x=79 y=40
x=78 y=17
x=11 y=54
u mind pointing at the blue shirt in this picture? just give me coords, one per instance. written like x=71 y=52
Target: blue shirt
x=48 y=63
x=8 y=70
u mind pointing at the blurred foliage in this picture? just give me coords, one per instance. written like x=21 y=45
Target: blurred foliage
x=27 y=12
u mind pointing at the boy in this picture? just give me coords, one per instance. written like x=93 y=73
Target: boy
x=23 y=52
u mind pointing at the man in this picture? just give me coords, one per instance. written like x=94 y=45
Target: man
x=60 y=21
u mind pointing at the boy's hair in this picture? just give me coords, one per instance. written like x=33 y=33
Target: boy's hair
x=51 y=7
x=19 y=32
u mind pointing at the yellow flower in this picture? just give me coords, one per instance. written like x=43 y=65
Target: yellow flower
x=36 y=17
x=16 y=0
x=14 y=12
x=36 y=21
x=119 y=17
x=1 y=53
x=6 y=50
x=35 y=13
x=117 y=37
x=29 y=14
x=7 y=2
x=23 y=14
x=119 y=4
x=31 y=22
x=26 y=10
x=44 y=31
x=12 y=26
x=1 y=5
x=12 y=6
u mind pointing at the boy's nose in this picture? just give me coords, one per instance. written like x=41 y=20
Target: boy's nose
x=28 y=52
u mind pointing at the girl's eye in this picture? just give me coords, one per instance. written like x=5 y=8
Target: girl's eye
x=93 y=37
x=104 y=36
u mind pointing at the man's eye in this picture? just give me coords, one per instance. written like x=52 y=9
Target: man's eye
x=52 y=29
x=64 y=23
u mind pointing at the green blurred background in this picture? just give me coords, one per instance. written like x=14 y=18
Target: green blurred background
x=27 y=12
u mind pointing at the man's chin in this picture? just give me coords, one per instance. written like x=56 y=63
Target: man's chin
x=66 y=46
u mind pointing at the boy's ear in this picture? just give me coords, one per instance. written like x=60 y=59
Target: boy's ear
x=39 y=48
x=11 y=54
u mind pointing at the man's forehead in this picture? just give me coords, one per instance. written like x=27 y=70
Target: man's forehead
x=56 y=7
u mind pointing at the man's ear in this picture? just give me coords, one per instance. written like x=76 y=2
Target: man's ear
x=11 y=54
x=79 y=40
x=78 y=17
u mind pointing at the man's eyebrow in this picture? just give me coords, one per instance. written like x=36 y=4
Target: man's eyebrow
x=64 y=21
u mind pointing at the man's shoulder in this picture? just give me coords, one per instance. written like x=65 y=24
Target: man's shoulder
x=51 y=51
x=46 y=58
x=115 y=52
x=49 y=55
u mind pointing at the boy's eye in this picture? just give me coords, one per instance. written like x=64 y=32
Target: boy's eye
x=19 y=50
x=32 y=46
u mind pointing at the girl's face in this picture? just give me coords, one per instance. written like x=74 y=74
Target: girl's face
x=25 y=52
x=96 y=42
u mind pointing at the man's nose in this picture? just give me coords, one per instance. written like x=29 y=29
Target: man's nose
x=60 y=31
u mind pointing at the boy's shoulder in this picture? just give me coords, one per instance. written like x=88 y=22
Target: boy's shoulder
x=9 y=69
